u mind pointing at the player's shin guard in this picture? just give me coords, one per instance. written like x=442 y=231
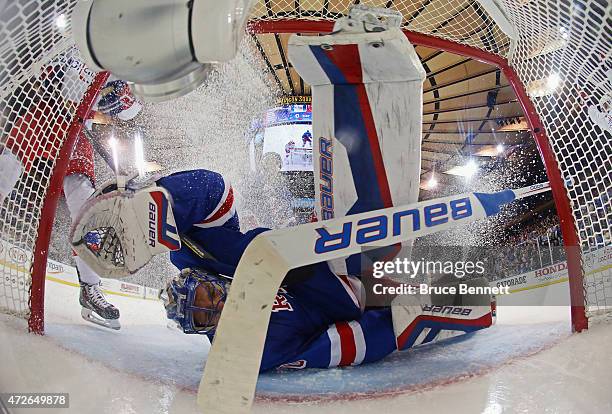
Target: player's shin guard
x=428 y=318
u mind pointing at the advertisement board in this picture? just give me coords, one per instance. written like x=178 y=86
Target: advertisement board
x=596 y=262
x=19 y=262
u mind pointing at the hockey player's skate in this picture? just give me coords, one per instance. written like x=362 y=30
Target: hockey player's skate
x=96 y=309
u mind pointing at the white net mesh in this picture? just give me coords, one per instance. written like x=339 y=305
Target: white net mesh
x=460 y=21
x=562 y=57
x=42 y=83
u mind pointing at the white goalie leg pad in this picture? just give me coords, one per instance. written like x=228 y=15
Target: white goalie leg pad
x=419 y=319
x=367 y=100
x=119 y=232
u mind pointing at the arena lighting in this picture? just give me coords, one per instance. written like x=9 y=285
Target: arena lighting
x=471 y=168
x=553 y=81
x=500 y=148
x=168 y=47
x=113 y=144
x=139 y=155
x=432 y=182
x=467 y=170
x=544 y=87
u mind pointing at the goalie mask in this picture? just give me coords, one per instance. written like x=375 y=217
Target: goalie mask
x=194 y=299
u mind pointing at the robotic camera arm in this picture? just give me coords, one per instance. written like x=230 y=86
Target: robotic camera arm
x=165 y=47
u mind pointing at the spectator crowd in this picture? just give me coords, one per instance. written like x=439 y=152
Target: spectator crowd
x=537 y=245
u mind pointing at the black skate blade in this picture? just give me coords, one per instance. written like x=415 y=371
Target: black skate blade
x=91 y=316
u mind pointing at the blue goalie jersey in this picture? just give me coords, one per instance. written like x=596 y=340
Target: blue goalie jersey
x=317 y=321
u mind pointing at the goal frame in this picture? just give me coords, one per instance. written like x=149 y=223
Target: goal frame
x=561 y=199
x=270 y=263
x=571 y=242
x=36 y=320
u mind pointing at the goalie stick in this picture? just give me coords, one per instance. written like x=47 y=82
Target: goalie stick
x=232 y=367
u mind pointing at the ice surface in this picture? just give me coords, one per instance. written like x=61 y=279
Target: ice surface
x=528 y=362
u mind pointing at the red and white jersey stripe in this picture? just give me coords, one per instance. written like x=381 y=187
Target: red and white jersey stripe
x=223 y=211
x=354 y=288
x=348 y=346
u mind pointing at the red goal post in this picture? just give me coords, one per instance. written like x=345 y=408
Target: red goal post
x=41 y=249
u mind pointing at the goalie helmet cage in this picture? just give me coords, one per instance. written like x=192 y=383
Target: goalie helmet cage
x=43 y=107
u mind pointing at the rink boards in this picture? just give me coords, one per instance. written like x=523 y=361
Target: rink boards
x=16 y=261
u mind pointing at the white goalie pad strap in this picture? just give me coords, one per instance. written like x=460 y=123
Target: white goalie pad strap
x=391 y=46
x=10 y=171
x=119 y=232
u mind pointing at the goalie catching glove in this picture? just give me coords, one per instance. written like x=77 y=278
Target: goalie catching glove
x=119 y=230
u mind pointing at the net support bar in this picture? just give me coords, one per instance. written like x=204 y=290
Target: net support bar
x=36 y=322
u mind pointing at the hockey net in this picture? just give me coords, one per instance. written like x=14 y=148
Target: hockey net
x=558 y=64
x=562 y=45
x=45 y=95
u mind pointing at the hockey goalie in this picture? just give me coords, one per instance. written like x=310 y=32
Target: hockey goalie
x=319 y=318
x=366 y=138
